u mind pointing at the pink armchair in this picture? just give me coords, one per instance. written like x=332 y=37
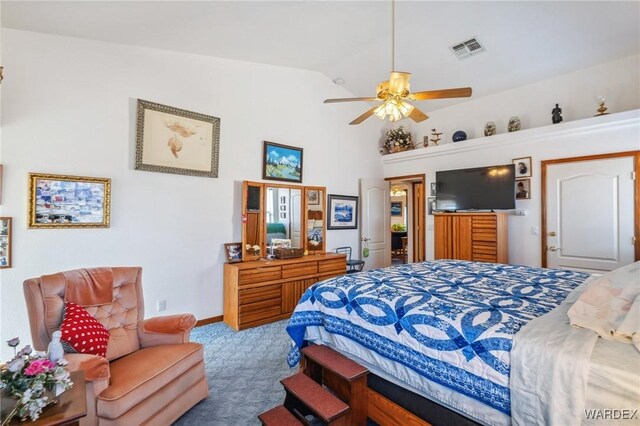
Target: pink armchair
x=151 y=373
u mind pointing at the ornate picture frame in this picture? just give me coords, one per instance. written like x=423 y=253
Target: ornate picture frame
x=5 y=242
x=281 y=162
x=60 y=201
x=343 y=212
x=173 y=140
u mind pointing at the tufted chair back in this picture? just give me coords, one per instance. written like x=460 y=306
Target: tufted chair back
x=112 y=295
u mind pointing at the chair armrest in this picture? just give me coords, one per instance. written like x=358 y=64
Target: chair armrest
x=166 y=330
x=95 y=367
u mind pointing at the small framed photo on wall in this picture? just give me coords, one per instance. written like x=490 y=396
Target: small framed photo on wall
x=396 y=208
x=523 y=167
x=5 y=242
x=523 y=189
x=431 y=205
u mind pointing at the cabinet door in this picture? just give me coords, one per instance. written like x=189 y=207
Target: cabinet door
x=461 y=238
x=442 y=237
x=292 y=292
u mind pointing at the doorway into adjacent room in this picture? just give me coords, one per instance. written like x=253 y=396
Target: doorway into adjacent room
x=407 y=219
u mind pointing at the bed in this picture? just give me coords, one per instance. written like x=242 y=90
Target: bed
x=444 y=331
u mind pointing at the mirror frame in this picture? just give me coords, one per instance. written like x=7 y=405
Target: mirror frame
x=323 y=198
x=262 y=223
x=245 y=219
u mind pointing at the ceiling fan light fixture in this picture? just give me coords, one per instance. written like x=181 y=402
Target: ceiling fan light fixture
x=394 y=108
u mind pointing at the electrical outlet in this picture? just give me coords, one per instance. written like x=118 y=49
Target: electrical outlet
x=161 y=305
x=535 y=230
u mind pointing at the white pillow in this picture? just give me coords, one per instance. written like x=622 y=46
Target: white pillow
x=610 y=305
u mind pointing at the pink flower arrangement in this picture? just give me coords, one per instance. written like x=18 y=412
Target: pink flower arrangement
x=39 y=366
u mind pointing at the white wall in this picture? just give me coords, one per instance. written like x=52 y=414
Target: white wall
x=611 y=133
x=69 y=109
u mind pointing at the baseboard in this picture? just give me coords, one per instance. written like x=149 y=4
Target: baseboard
x=206 y=321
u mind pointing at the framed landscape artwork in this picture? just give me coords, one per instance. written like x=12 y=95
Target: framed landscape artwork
x=172 y=140
x=281 y=162
x=5 y=242
x=57 y=201
x=343 y=212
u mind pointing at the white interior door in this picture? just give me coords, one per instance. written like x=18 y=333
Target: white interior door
x=375 y=222
x=590 y=214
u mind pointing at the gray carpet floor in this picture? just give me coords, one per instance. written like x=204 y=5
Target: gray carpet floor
x=244 y=369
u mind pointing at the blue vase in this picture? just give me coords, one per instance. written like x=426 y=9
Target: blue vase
x=459 y=136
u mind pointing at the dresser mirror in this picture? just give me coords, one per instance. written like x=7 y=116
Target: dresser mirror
x=294 y=215
x=315 y=219
x=283 y=207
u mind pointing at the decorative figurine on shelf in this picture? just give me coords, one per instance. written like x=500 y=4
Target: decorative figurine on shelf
x=556 y=114
x=514 y=124
x=459 y=136
x=436 y=136
x=490 y=128
x=602 y=110
x=425 y=141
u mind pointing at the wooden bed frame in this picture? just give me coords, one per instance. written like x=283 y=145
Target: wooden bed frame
x=371 y=396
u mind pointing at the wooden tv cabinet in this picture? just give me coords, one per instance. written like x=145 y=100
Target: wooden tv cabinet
x=263 y=291
x=481 y=237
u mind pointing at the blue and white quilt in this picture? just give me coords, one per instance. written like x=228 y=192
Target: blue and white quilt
x=451 y=322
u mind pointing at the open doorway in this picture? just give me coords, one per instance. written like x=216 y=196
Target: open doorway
x=407 y=208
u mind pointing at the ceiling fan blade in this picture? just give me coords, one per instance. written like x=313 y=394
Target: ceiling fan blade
x=331 y=101
x=461 y=92
x=399 y=81
x=417 y=115
x=364 y=116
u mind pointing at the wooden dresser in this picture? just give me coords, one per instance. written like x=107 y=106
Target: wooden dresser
x=263 y=291
x=481 y=237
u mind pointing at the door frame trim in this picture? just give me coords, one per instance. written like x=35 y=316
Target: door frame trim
x=423 y=235
x=636 y=227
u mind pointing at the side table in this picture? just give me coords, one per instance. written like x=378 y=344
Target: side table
x=70 y=408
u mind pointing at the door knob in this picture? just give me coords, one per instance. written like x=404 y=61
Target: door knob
x=554 y=248
x=552 y=233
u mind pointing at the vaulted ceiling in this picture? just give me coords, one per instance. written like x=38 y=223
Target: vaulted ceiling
x=524 y=41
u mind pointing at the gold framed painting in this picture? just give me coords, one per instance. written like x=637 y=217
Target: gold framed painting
x=5 y=242
x=59 y=201
x=173 y=140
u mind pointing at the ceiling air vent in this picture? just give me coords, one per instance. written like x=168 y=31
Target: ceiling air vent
x=467 y=48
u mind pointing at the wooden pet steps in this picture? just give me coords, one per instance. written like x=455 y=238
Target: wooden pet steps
x=279 y=416
x=331 y=390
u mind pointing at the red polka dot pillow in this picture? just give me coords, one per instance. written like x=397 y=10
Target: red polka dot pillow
x=81 y=332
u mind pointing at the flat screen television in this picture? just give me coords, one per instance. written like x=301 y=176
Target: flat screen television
x=481 y=188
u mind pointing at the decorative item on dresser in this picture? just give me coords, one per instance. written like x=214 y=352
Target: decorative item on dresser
x=481 y=237
x=260 y=292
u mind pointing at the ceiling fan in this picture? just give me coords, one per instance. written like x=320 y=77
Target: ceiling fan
x=395 y=92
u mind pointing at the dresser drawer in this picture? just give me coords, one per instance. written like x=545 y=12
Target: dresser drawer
x=299 y=269
x=262 y=315
x=258 y=294
x=333 y=266
x=258 y=275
